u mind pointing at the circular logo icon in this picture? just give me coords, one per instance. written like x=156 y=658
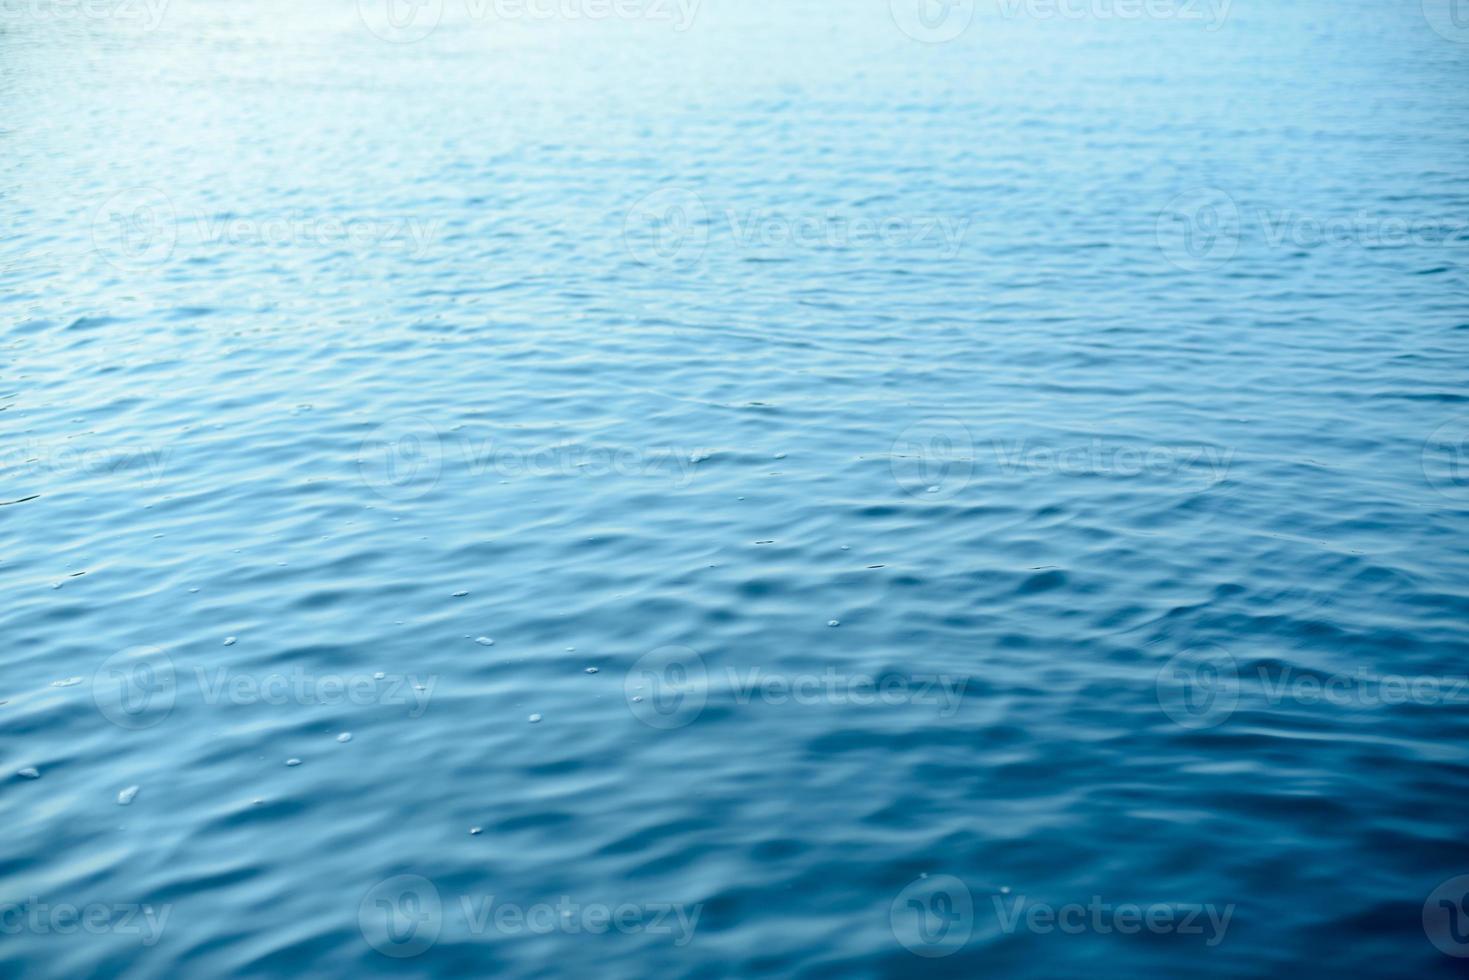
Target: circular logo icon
x=401 y=21
x=402 y=459
x=135 y=688
x=932 y=21
x=401 y=916
x=1446 y=917
x=1446 y=458
x=135 y=228
x=1199 y=688
x=1448 y=18
x=933 y=916
x=669 y=228
x=933 y=458
x=667 y=688
x=1199 y=230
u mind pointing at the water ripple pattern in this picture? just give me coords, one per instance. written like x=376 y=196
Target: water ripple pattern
x=734 y=488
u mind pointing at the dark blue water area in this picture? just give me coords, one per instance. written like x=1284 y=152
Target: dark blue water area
x=734 y=489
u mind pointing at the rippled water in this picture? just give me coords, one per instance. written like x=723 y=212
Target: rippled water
x=734 y=489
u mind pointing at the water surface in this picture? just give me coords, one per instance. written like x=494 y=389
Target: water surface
x=1100 y=378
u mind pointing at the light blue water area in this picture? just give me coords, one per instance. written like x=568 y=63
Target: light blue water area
x=737 y=459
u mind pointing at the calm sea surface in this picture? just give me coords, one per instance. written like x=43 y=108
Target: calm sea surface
x=655 y=489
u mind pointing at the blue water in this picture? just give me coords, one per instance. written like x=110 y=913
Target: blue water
x=997 y=479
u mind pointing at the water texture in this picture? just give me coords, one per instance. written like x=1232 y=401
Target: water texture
x=734 y=489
